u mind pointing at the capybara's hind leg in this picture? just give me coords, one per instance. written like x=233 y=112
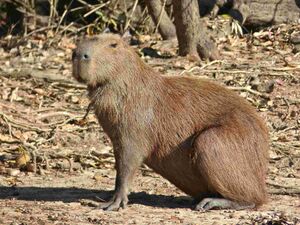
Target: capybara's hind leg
x=229 y=162
x=222 y=203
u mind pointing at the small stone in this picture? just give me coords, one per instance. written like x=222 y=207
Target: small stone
x=61 y=54
x=30 y=167
x=13 y=172
x=74 y=99
x=14 y=51
x=98 y=176
x=296 y=48
x=2 y=169
x=39 y=91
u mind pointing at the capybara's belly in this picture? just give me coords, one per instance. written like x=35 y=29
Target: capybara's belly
x=178 y=168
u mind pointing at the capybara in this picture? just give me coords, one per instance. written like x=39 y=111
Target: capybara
x=202 y=137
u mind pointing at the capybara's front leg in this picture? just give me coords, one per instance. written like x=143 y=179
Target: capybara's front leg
x=128 y=159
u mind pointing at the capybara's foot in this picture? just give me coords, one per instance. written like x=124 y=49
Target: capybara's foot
x=221 y=203
x=119 y=200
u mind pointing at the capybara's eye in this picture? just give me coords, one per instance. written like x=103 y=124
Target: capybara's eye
x=85 y=56
x=113 y=45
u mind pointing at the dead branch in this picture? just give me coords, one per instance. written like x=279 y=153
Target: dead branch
x=248 y=89
x=51 y=77
x=283 y=189
x=160 y=15
x=23 y=126
x=202 y=67
x=131 y=15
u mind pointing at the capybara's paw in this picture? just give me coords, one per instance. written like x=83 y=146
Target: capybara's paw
x=118 y=201
x=221 y=203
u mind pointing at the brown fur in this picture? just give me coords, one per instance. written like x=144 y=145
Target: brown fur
x=200 y=136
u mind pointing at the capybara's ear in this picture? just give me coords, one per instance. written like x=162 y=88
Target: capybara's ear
x=127 y=37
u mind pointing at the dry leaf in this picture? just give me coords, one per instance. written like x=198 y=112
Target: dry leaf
x=22 y=159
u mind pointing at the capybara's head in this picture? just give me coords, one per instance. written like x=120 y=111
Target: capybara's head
x=103 y=58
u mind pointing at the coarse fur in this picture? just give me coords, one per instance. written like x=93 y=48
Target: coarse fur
x=199 y=135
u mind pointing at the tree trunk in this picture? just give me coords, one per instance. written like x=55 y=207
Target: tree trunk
x=159 y=16
x=191 y=31
x=266 y=12
x=261 y=12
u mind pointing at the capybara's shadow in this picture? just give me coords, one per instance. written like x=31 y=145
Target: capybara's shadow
x=73 y=194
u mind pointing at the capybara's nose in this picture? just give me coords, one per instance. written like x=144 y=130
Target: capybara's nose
x=80 y=56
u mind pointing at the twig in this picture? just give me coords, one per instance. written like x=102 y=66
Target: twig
x=96 y=8
x=286 y=148
x=34 y=6
x=36 y=31
x=287 y=129
x=53 y=114
x=83 y=128
x=70 y=85
x=276 y=74
x=53 y=4
x=9 y=126
x=130 y=17
x=202 y=67
x=286 y=68
x=34 y=162
x=10 y=141
x=88 y=110
x=160 y=15
x=47 y=167
x=13 y=94
x=292 y=101
x=23 y=126
x=85 y=3
x=52 y=77
x=290 y=189
x=229 y=71
x=285 y=192
x=40 y=142
x=70 y=160
x=63 y=16
x=90 y=203
x=248 y=89
x=63 y=122
x=29 y=145
x=67 y=27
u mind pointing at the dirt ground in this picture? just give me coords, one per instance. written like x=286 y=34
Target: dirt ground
x=55 y=167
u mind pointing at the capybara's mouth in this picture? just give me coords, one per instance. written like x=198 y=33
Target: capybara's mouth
x=76 y=75
x=98 y=85
x=78 y=78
